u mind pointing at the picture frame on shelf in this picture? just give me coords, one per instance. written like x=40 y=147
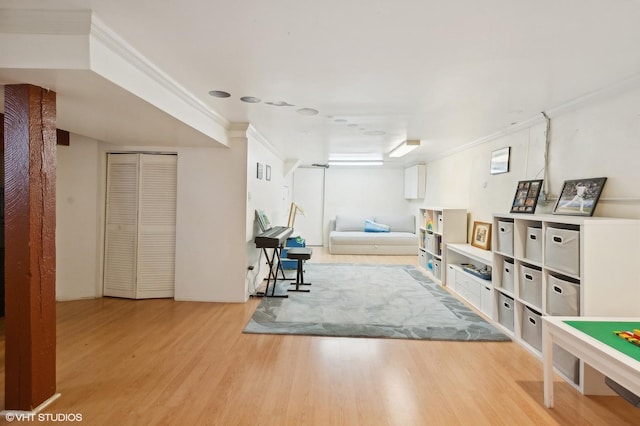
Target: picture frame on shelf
x=526 y=198
x=259 y=171
x=500 y=160
x=481 y=236
x=579 y=197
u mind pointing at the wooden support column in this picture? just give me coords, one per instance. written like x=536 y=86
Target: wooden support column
x=30 y=260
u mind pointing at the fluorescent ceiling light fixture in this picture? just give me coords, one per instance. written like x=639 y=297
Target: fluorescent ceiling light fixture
x=404 y=148
x=356 y=163
x=355 y=156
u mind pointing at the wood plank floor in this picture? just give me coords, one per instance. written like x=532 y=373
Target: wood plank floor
x=154 y=362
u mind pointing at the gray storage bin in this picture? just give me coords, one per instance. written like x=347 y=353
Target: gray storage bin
x=533 y=247
x=531 y=285
x=562 y=250
x=563 y=297
x=566 y=363
x=505 y=237
x=505 y=311
x=508 y=274
x=532 y=327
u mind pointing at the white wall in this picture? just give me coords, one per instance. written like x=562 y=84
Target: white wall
x=78 y=212
x=210 y=228
x=215 y=218
x=365 y=191
x=273 y=197
x=597 y=138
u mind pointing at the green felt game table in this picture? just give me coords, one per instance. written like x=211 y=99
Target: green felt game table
x=592 y=339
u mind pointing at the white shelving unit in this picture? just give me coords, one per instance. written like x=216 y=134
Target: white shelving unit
x=439 y=227
x=476 y=290
x=563 y=266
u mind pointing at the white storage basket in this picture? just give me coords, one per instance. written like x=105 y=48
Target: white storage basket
x=505 y=311
x=422 y=259
x=507 y=275
x=437 y=270
x=505 y=237
x=531 y=285
x=566 y=363
x=486 y=300
x=533 y=247
x=563 y=297
x=532 y=327
x=562 y=250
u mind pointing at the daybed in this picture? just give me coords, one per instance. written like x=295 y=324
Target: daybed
x=395 y=235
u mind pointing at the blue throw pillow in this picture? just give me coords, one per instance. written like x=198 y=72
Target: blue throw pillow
x=371 y=226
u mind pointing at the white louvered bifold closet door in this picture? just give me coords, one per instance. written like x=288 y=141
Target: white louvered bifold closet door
x=121 y=226
x=157 y=226
x=140 y=226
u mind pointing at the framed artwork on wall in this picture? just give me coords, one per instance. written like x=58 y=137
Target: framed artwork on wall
x=526 y=198
x=259 y=171
x=481 y=236
x=500 y=160
x=579 y=197
x=268 y=172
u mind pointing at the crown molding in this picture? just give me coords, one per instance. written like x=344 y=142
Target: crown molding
x=254 y=133
x=102 y=33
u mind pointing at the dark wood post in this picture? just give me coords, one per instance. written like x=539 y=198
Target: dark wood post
x=30 y=261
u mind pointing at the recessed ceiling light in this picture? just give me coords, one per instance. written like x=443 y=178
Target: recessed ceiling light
x=307 y=111
x=352 y=125
x=340 y=120
x=375 y=133
x=219 y=94
x=279 y=103
x=250 y=99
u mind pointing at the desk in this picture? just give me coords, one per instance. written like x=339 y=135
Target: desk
x=608 y=360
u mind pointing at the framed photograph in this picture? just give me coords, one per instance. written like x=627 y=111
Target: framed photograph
x=580 y=196
x=268 y=173
x=526 y=198
x=259 y=171
x=481 y=236
x=500 y=161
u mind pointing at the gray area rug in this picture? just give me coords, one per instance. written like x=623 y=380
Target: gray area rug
x=391 y=301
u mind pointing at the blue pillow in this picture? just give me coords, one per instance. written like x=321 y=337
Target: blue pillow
x=371 y=226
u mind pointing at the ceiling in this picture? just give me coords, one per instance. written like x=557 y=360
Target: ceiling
x=378 y=72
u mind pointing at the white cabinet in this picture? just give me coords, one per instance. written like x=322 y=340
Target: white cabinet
x=476 y=290
x=438 y=227
x=415 y=181
x=564 y=265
